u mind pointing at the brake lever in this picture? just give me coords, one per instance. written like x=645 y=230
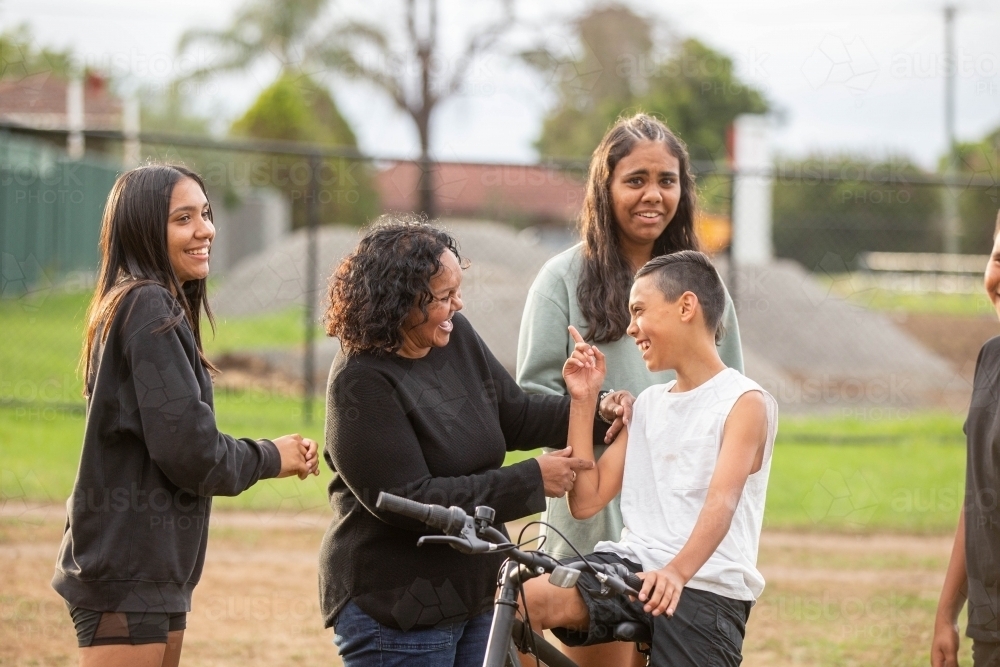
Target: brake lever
x=618 y=586
x=458 y=543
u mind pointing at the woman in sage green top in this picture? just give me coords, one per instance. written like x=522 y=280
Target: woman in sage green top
x=640 y=203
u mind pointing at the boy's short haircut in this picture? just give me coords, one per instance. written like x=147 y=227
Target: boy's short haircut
x=690 y=271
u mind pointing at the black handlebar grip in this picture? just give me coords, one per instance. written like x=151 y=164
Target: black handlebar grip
x=440 y=518
x=404 y=506
x=633 y=582
x=449 y=521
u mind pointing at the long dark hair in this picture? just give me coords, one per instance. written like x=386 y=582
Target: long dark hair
x=134 y=253
x=374 y=289
x=606 y=276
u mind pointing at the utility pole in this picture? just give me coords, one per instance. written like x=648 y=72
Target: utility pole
x=952 y=226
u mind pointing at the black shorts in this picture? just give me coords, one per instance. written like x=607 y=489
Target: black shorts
x=96 y=628
x=985 y=654
x=706 y=629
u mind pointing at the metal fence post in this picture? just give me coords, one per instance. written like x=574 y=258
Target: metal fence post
x=309 y=356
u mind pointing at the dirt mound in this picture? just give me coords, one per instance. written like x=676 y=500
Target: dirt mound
x=814 y=351
x=494 y=289
x=834 y=356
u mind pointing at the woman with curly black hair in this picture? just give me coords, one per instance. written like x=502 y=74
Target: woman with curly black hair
x=419 y=407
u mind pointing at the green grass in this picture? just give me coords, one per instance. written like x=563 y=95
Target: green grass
x=828 y=473
x=945 y=304
x=846 y=474
x=41 y=405
x=41 y=449
x=877 y=298
x=40 y=348
x=276 y=330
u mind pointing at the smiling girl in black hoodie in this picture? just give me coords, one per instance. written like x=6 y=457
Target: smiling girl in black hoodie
x=152 y=458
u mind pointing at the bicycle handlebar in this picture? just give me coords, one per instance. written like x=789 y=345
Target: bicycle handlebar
x=448 y=521
x=465 y=536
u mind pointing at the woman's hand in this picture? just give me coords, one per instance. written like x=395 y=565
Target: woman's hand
x=559 y=471
x=584 y=371
x=944 y=646
x=616 y=408
x=299 y=456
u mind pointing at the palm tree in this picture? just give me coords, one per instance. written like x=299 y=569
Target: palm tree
x=280 y=29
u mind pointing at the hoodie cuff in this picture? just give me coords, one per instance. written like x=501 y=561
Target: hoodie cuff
x=271 y=459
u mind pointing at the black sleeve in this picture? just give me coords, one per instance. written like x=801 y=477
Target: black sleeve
x=178 y=427
x=530 y=421
x=371 y=444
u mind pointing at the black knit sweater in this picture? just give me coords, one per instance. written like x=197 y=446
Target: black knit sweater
x=434 y=430
x=152 y=458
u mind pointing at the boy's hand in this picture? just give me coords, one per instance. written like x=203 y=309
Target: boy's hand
x=661 y=590
x=299 y=456
x=584 y=370
x=944 y=647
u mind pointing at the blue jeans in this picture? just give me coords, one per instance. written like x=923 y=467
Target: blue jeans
x=364 y=642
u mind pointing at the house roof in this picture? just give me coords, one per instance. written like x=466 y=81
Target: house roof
x=39 y=102
x=534 y=194
x=530 y=193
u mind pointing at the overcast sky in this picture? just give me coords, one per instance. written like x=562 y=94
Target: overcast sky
x=861 y=76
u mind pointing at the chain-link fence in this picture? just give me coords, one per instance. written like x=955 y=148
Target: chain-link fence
x=50 y=213
x=829 y=215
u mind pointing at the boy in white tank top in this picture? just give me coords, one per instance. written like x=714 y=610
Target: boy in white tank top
x=692 y=484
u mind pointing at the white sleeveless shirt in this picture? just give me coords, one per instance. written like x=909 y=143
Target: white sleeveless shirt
x=673 y=445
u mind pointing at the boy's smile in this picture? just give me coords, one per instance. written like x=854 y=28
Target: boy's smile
x=651 y=324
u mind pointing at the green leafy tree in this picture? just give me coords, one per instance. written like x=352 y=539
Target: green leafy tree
x=21 y=57
x=296 y=108
x=816 y=217
x=699 y=95
x=978 y=205
x=621 y=67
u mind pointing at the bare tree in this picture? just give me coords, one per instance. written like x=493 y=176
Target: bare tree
x=364 y=51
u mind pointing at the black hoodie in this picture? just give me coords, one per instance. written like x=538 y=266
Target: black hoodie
x=137 y=522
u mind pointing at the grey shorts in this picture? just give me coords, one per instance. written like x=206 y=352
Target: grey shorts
x=97 y=628
x=705 y=630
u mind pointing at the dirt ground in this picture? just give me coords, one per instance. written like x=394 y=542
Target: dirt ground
x=957 y=338
x=830 y=599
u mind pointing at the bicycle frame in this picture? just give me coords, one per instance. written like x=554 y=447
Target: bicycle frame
x=501 y=650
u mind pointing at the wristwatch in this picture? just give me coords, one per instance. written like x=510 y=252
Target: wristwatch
x=600 y=399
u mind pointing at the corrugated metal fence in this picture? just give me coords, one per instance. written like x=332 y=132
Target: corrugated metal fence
x=50 y=213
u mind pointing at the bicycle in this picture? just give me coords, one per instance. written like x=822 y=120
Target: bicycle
x=508 y=634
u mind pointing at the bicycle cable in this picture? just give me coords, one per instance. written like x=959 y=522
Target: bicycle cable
x=565 y=539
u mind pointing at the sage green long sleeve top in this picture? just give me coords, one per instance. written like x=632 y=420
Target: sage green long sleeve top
x=543 y=346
